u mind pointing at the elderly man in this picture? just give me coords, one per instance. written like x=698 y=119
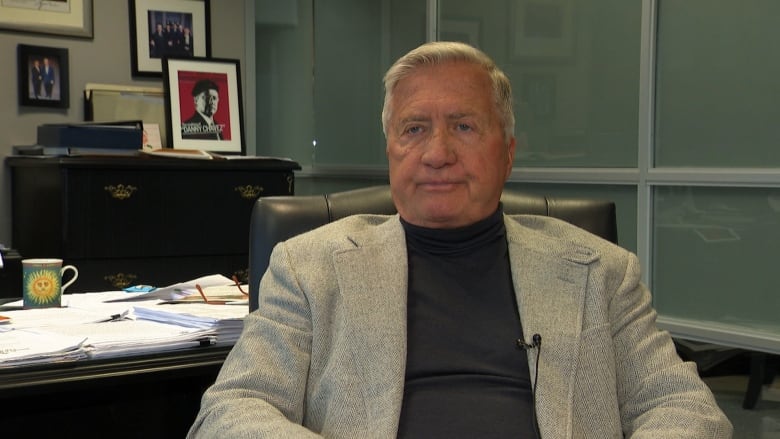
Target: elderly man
x=406 y=325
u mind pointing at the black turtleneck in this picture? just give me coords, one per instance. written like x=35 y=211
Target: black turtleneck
x=465 y=376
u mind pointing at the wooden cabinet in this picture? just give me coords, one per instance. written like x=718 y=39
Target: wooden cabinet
x=130 y=220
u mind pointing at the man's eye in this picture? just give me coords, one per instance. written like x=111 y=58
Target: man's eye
x=464 y=127
x=413 y=129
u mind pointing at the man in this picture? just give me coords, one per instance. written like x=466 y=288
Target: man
x=48 y=78
x=157 y=42
x=406 y=325
x=36 y=76
x=201 y=125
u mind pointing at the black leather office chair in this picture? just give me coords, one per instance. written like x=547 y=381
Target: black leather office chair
x=277 y=218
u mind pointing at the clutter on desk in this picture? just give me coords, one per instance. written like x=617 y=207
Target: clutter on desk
x=179 y=290
x=104 y=325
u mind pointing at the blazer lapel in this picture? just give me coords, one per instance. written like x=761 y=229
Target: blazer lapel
x=550 y=279
x=373 y=282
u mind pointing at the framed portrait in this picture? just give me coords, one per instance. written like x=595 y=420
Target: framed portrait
x=43 y=76
x=71 y=18
x=172 y=28
x=203 y=106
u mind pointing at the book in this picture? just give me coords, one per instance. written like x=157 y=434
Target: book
x=109 y=135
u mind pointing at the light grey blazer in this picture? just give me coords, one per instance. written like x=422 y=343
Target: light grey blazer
x=326 y=351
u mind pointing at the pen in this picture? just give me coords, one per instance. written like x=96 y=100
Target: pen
x=114 y=317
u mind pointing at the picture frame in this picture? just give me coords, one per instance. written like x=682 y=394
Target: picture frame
x=70 y=18
x=542 y=29
x=173 y=28
x=191 y=85
x=43 y=76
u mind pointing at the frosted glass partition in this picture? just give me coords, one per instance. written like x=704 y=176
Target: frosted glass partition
x=717 y=83
x=715 y=263
x=355 y=42
x=574 y=68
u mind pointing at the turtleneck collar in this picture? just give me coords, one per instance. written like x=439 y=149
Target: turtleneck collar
x=458 y=241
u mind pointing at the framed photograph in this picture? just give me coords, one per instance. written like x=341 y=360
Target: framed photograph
x=172 y=28
x=43 y=76
x=55 y=17
x=542 y=28
x=203 y=104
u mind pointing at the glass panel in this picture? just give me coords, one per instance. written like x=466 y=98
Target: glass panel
x=715 y=255
x=623 y=196
x=574 y=67
x=284 y=61
x=355 y=42
x=717 y=83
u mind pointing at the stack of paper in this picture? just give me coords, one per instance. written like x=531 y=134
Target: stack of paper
x=26 y=347
x=226 y=320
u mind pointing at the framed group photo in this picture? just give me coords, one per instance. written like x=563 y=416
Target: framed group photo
x=203 y=106
x=43 y=76
x=167 y=28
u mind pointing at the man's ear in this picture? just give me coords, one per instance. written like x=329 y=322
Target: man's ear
x=510 y=149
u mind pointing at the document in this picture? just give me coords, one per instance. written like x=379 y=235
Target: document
x=32 y=347
x=179 y=290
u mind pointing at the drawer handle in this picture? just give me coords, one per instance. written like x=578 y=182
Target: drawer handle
x=249 y=191
x=120 y=280
x=120 y=191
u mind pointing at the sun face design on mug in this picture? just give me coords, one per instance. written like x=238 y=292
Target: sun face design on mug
x=42 y=286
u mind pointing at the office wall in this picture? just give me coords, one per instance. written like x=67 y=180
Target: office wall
x=102 y=59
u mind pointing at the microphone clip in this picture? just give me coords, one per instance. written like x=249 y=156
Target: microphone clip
x=536 y=341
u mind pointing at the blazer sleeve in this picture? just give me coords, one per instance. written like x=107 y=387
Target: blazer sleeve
x=261 y=387
x=659 y=395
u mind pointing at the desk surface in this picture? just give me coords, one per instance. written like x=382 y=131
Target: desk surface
x=61 y=376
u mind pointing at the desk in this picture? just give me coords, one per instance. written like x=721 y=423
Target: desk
x=141 y=396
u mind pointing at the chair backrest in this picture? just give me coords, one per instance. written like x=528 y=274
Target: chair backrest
x=278 y=218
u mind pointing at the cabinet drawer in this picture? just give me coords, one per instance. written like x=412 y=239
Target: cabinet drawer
x=115 y=274
x=156 y=214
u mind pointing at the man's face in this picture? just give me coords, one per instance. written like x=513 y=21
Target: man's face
x=207 y=102
x=445 y=146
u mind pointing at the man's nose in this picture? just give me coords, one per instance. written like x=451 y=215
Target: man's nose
x=440 y=149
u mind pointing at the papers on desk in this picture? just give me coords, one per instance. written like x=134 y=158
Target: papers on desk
x=25 y=347
x=96 y=325
x=177 y=291
x=226 y=321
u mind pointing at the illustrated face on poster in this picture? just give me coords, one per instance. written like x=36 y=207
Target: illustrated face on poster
x=204 y=105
